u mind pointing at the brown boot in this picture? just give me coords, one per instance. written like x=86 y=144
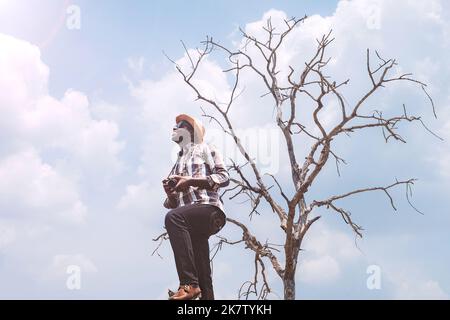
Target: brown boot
x=186 y=292
x=171 y=293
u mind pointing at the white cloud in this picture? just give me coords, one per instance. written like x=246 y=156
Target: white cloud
x=161 y=100
x=136 y=64
x=53 y=151
x=326 y=252
x=323 y=269
x=63 y=132
x=107 y=111
x=141 y=201
x=68 y=126
x=24 y=76
x=32 y=117
x=323 y=240
x=415 y=288
x=33 y=189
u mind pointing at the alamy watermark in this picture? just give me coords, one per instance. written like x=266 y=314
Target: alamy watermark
x=261 y=143
x=374 y=17
x=73 y=18
x=374 y=279
x=73 y=281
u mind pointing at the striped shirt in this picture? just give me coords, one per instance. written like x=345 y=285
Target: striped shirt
x=200 y=160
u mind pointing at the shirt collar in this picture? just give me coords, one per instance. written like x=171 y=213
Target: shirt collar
x=186 y=147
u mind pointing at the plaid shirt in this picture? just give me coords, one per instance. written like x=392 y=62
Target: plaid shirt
x=200 y=160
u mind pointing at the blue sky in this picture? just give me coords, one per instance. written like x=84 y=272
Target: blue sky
x=118 y=31
x=88 y=115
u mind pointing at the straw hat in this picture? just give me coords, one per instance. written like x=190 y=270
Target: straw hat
x=199 y=129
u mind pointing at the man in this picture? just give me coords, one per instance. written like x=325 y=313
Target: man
x=197 y=212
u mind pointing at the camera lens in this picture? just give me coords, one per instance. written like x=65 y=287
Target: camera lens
x=172 y=183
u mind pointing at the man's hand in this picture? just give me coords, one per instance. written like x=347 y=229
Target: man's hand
x=183 y=182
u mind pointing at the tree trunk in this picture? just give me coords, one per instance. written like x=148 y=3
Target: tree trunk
x=289 y=286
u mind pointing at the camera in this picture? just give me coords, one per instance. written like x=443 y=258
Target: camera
x=172 y=182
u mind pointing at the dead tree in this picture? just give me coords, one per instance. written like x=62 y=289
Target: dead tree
x=295 y=214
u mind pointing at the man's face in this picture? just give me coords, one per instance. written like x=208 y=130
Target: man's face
x=181 y=132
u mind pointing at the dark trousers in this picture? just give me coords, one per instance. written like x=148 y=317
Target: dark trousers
x=189 y=228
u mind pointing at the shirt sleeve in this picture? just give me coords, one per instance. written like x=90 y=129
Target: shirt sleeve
x=219 y=177
x=167 y=204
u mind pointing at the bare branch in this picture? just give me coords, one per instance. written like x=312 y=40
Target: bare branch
x=160 y=238
x=431 y=100
x=279 y=187
x=347 y=219
x=212 y=118
x=168 y=58
x=187 y=52
x=338 y=159
x=252 y=285
x=328 y=201
x=253 y=244
x=409 y=190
